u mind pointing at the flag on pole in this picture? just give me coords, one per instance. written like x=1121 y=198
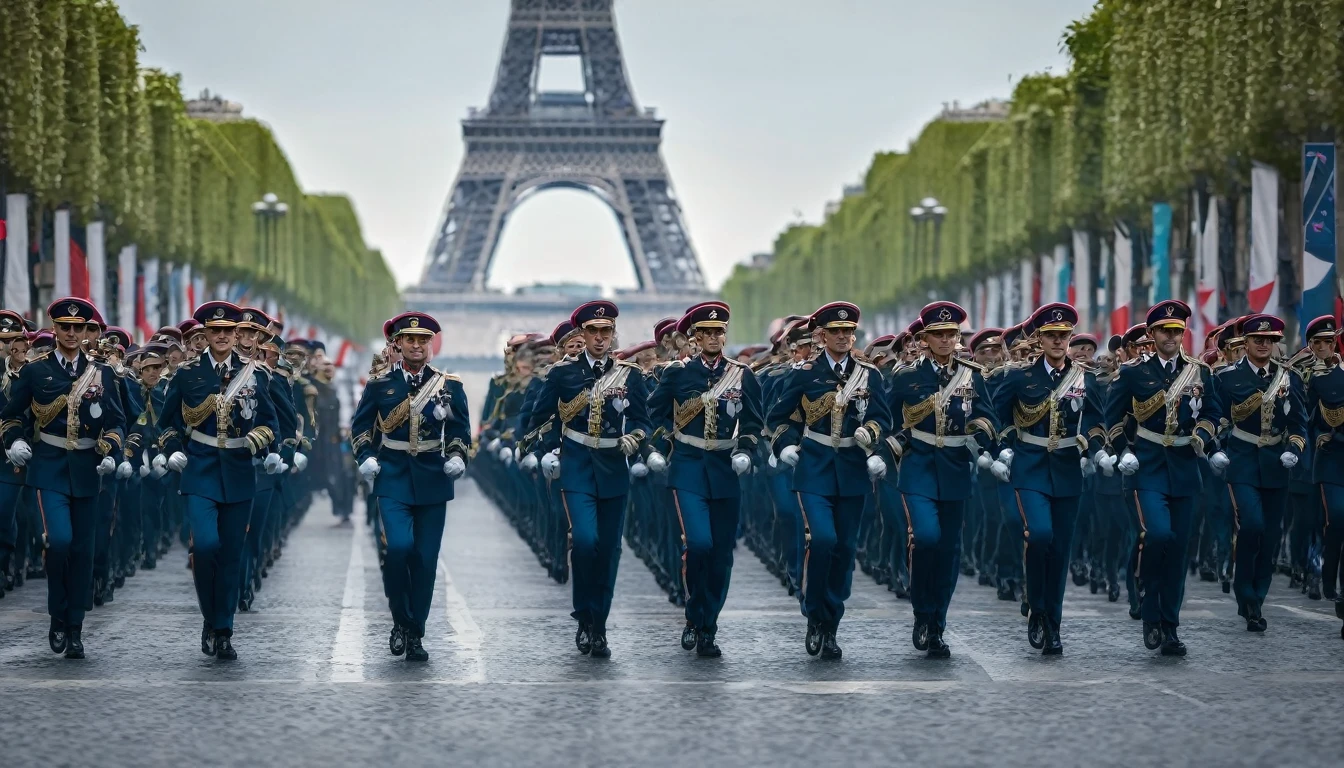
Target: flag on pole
x=61 y=287
x=1080 y=287
x=97 y=263
x=1049 y=283
x=1063 y=277
x=126 y=289
x=1123 y=277
x=1318 y=232
x=1207 y=298
x=17 y=296
x=149 y=299
x=1264 y=284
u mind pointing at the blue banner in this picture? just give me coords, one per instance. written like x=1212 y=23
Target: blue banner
x=1161 y=288
x=1318 y=233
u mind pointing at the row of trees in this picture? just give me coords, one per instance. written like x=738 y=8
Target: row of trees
x=1162 y=96
x=83 y=125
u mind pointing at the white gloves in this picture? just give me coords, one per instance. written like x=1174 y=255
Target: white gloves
x=1128 y=464
x=369 y=469
x=1288 y=459
x=441 y=412
x=1001 y=471
x=493 y=446
x=984 y=460
x=178 y=461
x=639 y=469
x=789 y=455
x=1105 y=462
x=300 y=461
x=741 y=463
x=1006 y=456
x=124 y=470
x=107 y=466
x=506 y=456
x=454 y=467
x=628 y=444
x=273 y=463
x=656 y=462
x=1087 y=466
x=772 y=461
x=144 y=471
x=1220 y=462
x=528 y=462
x=159 y=466
x=863 y=437
x=550 y=466
x=19 y=453
x=877 y=468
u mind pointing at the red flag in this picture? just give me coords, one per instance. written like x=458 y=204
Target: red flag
x=342 y=352
x=79 y=271
x=145 y=330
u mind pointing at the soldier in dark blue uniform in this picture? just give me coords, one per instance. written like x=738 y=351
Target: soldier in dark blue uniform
x=947 y=419
x=1055 y=407
x=11 y=477
x=411 y=433
x=70 y=404
x=1263 y=403
x=600 y=407
x=714 y=407
x=216 y=417
x=828 y=417
x=1171 y=401
x=1325 y=401
x=143 y=432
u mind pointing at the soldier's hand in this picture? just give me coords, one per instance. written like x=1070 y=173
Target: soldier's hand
x=741 y=463
x=454 y=467
x=1006 y=456
x=1288 y=459
x=656 y=462
x=1219 y=462
x=877 y=468
x=300 y=461
x=144 y=471
x=442 y=412
x=1128 y=464
x=629 y=444
x=789 y=455
x=864 y=437
x=772 y=461
x=1105 y=462
x=1087 y=466
x=506 y=456
x=528 y=462
x=178 y=461
x=1001 y=471
x=107 y=466
x=984 y=460
x=550 y=466
x=19 y=453
x=492 y=446
x=273 y=463
x=639 y=469
x=369 y=469
x=124 y=470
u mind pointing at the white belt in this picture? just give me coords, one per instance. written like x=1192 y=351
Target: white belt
x=946 y=441
x=1045 y=442
x=1160 y=439
x=1254 y=439
x=702 y=443
x=405 y=445
x=82 y=444
x=827 y=440
x=590 y=441
x=213 y=442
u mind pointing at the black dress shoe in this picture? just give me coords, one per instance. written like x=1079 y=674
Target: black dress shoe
x=920 y=635
x=600 y=648
x=1253 y=624
x=1113 y=592
x=149 y=564
x=1036 y=633
x=56 y=637
x=1313 y=586
x=396 y=643
x=207 y=639
x=1152 y=635
x=74 y=643
x=984 y=579
x=119 y=581
x=814 y=638
x=937 y=648
x=1053 y=645
x=98 y=592
x=224 y=649
x=706 y=647
x=415 y=650
x=1006 y=592
x=1339 y=607
x=1171 y=644
x=1079 y=574
x=689 y=637
x=1135 y=614
x=1025 y=609
x=830 y=650
x=1227 y=587
x=583 y=639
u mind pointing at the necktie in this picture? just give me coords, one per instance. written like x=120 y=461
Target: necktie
x=1264 y=373
x=222 y=370
x=1055 y=375
x=944 y=376
x=1170 y=366
x=840 y=369
x=70 y=367
x=415 y=381
x=599 y=368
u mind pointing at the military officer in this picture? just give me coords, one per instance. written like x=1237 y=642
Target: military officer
x=411 y=434
x=946 y=421
x=714 y=406
x=69 y=403
x=828 y=417
x=1172 y=400
x=602 y=421
x=11 y=477
x=1263 y=403
x=1325 y=399
x=1055 y=408
x=217 y=415
x=151 y=362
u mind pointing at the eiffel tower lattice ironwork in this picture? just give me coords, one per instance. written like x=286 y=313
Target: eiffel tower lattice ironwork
x=527 y=140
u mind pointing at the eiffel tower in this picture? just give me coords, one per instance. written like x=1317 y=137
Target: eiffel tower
x=527 y=140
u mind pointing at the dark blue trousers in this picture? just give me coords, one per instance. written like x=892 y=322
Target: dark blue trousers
x=708 y=532
x=1332 y=510
x=218 y=532
x=262 y=504
x=1165 y=523
x=595 y=527
x=9 y=529
x=414 y=533
x=1048 y=524
x=106 y=511
x=831 y=538
x=68 y=525
x=788 y=517
x=935 y=554
x=1258 y=516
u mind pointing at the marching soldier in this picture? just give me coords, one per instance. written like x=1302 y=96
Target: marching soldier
x=1056 y=411
x=11 y=476
x=947 y=419
x=152 y=362
x=714 y=406
x=1325 y=399
x=218 y=415
x=1263 y=402
x=602 y=421
x=828 y=418
x=1172 y=400
x=411 y=433
x=69 y=403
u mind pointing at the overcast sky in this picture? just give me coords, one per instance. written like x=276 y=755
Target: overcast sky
x=771 y=105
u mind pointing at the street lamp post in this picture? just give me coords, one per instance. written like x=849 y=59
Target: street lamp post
x=268 y=211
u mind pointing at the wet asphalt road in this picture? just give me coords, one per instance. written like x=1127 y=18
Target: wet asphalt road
x=315 y=684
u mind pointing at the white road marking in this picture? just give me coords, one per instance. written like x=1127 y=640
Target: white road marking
x=347 y=652
x=1181 y=696
x=466 y=634
x=1317 y=615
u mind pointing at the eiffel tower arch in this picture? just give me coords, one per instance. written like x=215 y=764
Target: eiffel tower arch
x=528 y=140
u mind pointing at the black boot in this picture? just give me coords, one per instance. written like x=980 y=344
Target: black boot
x=74 y=643
x=396 y=643
x=583 y=638
x=705 y=646
x=415 y=650
x=1036 y=633
x=56 y=636
x=937 y=648
x=1152 y=635
x=814 y=637
x=830 y=650
x=207 y=639
x=1053 y=645
x=224 y=647
x=600 y=648
x=689 y=637
x=1171 y=644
